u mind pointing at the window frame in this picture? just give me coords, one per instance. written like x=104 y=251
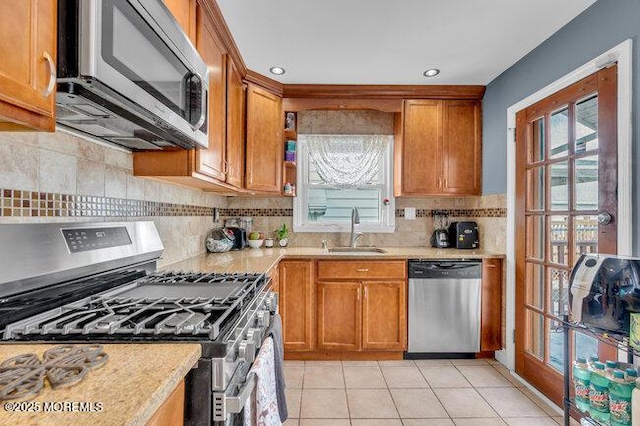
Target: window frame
x=300 y=202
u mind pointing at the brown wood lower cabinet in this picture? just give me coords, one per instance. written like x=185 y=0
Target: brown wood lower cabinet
x=362 y=305
x=339 y=316
x=297 y=303
x=491 y=319
x=384 y=315
x=171 y=412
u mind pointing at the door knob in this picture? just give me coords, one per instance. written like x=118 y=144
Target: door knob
x=604 y=218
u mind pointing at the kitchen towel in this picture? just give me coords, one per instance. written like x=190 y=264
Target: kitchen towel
x=262 y=407
x=276 y=333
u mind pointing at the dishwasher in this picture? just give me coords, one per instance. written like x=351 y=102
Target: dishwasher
x=444 y=306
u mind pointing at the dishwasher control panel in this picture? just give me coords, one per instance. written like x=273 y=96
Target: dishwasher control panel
x=454 y=269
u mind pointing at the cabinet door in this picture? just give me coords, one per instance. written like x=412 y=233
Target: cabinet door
x=171 y=412
x=491 y=319
x=27 y=64
x=185 y=13
x=211 y=161
x=384 y=315
x=235 y=125
x=462 y=148
x=421 y=147
x=264 y=140
x=339 y=316
x=274 y=274
x=297 y=304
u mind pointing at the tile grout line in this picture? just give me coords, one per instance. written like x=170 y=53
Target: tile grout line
x=389 y=391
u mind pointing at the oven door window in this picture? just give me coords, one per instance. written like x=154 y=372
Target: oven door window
x=135 y=50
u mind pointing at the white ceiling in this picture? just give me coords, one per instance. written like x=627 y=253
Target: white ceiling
x=392 y=41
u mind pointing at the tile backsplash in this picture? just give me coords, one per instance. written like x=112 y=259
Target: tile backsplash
x=488 y=211
x=60 y=177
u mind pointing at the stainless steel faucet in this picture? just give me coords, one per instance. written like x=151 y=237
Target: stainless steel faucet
x=355 y=220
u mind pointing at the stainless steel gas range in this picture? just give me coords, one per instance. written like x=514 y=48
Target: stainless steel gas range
x=83 y=282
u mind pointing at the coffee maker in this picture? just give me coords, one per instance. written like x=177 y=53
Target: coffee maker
x=440 y=236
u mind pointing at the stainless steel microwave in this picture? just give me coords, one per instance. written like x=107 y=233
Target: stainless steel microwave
x=128 y=74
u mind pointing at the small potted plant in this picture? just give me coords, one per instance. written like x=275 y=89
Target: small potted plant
x=282 y=234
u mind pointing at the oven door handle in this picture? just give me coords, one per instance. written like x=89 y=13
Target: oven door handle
x=235 y=404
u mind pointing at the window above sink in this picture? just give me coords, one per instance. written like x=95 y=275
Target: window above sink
x=323 y=205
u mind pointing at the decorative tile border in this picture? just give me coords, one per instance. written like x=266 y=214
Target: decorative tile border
x=256 y=212
x=495 y=212
x=15 y=203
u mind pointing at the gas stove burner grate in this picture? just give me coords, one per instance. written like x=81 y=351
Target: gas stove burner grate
x=156 y=306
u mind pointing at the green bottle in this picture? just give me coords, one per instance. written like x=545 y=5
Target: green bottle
x=620 y=399
x=599 y=394
x=581 y=378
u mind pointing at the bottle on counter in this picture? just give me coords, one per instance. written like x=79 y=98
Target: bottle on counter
x=631 y=375
x=591 y=362
x=599 y=394
x=635 y=405
x=620 y=399
x=581 y=379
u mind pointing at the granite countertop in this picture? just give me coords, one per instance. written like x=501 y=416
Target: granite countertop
x=131 y=385
x=264 y=259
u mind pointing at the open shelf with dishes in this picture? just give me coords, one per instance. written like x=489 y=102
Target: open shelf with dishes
x=289 y=166
x=619 y=341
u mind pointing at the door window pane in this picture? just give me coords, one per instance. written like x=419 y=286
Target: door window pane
x=535 y=237
x=535 y=193
x=586 y=346
x=586 y=125
x=537 y=141
x=559 y=186
x=585 y=234
x=558 y=305
x=556 y=346
x=535 y=287
x=586 y=183
x=559 y=134
x=559 y=233
x=535 y=334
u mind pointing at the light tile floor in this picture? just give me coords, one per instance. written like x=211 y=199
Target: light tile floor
x=410 y=393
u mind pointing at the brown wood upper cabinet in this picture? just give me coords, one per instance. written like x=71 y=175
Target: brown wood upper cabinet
x=362 y=305
x=491 y=318
x=264 y=140
x=297 y=304
x=28 y=68
x=235 y=126
x=438 y=148
x=211 y=161
x=185 y=13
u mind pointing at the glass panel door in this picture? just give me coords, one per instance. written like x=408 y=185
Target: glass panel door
x=559 y=194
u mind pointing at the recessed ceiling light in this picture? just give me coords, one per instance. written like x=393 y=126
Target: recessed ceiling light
x=431 y=72
x=277 y=70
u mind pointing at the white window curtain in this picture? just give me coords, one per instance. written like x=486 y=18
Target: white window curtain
x=347 y=161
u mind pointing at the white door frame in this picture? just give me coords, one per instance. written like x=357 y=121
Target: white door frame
x=621 y=54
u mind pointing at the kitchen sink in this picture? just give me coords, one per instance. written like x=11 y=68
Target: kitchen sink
x=356 y=250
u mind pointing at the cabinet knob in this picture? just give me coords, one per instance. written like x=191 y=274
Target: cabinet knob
x=362 y=270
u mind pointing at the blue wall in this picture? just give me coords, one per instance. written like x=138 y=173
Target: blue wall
x=599 y=28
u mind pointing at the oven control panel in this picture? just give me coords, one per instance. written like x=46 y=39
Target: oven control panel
x=85 y=239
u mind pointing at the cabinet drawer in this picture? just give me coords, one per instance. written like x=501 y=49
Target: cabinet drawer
x=361 y=269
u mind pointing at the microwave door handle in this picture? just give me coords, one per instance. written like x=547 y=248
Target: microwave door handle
x=195 y=79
